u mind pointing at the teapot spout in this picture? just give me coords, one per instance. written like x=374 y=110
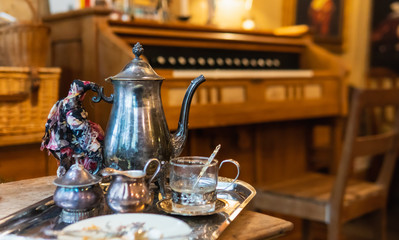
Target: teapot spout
x=179 y=137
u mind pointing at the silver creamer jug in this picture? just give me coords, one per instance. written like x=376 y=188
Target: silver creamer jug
x=129 y=190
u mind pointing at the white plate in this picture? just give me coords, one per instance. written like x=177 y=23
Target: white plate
x=169 y=227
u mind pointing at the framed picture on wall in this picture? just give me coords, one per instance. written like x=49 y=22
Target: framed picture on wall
x=324 y=18
x=384 y=52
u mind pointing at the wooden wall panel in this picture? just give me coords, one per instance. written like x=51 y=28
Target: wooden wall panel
x=22 y=162
x=280 y=150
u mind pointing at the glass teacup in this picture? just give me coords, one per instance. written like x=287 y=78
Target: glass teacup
x=191 y=193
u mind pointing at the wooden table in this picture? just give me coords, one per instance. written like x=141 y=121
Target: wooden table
x=247 y=225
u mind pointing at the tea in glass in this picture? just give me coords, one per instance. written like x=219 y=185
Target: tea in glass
x=190 y=192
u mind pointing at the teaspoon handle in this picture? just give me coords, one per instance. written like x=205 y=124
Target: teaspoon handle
x=206 y=165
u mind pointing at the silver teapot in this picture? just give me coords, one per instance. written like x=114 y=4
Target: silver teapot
x=137 y=129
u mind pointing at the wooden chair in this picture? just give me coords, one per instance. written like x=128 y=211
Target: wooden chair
x=337 y=199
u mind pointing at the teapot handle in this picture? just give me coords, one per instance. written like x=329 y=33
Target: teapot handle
x=100 y=95
x=156 y=171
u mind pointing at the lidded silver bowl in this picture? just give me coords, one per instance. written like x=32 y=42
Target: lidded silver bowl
x=78 y=193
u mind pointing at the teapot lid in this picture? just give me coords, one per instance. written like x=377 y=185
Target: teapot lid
x=77 y=176
x=137 y=69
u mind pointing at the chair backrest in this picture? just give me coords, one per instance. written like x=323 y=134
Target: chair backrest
x=380 y=77
x=357 y=143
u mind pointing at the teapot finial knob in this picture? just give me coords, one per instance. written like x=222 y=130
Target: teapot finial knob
x=138 y=50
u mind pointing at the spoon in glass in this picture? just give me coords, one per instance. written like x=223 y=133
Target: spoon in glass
x=206 y=165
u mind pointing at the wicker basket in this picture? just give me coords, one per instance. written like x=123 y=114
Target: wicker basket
x=25 y=43
x=26 y=97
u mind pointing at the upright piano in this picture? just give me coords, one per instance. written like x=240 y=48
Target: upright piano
x=263 y=97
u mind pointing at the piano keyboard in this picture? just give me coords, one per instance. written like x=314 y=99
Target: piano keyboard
x=236 y=74
x=199 y=58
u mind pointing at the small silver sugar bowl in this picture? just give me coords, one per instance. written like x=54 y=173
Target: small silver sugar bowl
x=78 y=193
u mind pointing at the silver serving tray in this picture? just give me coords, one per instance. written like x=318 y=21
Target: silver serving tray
x=43 y=218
